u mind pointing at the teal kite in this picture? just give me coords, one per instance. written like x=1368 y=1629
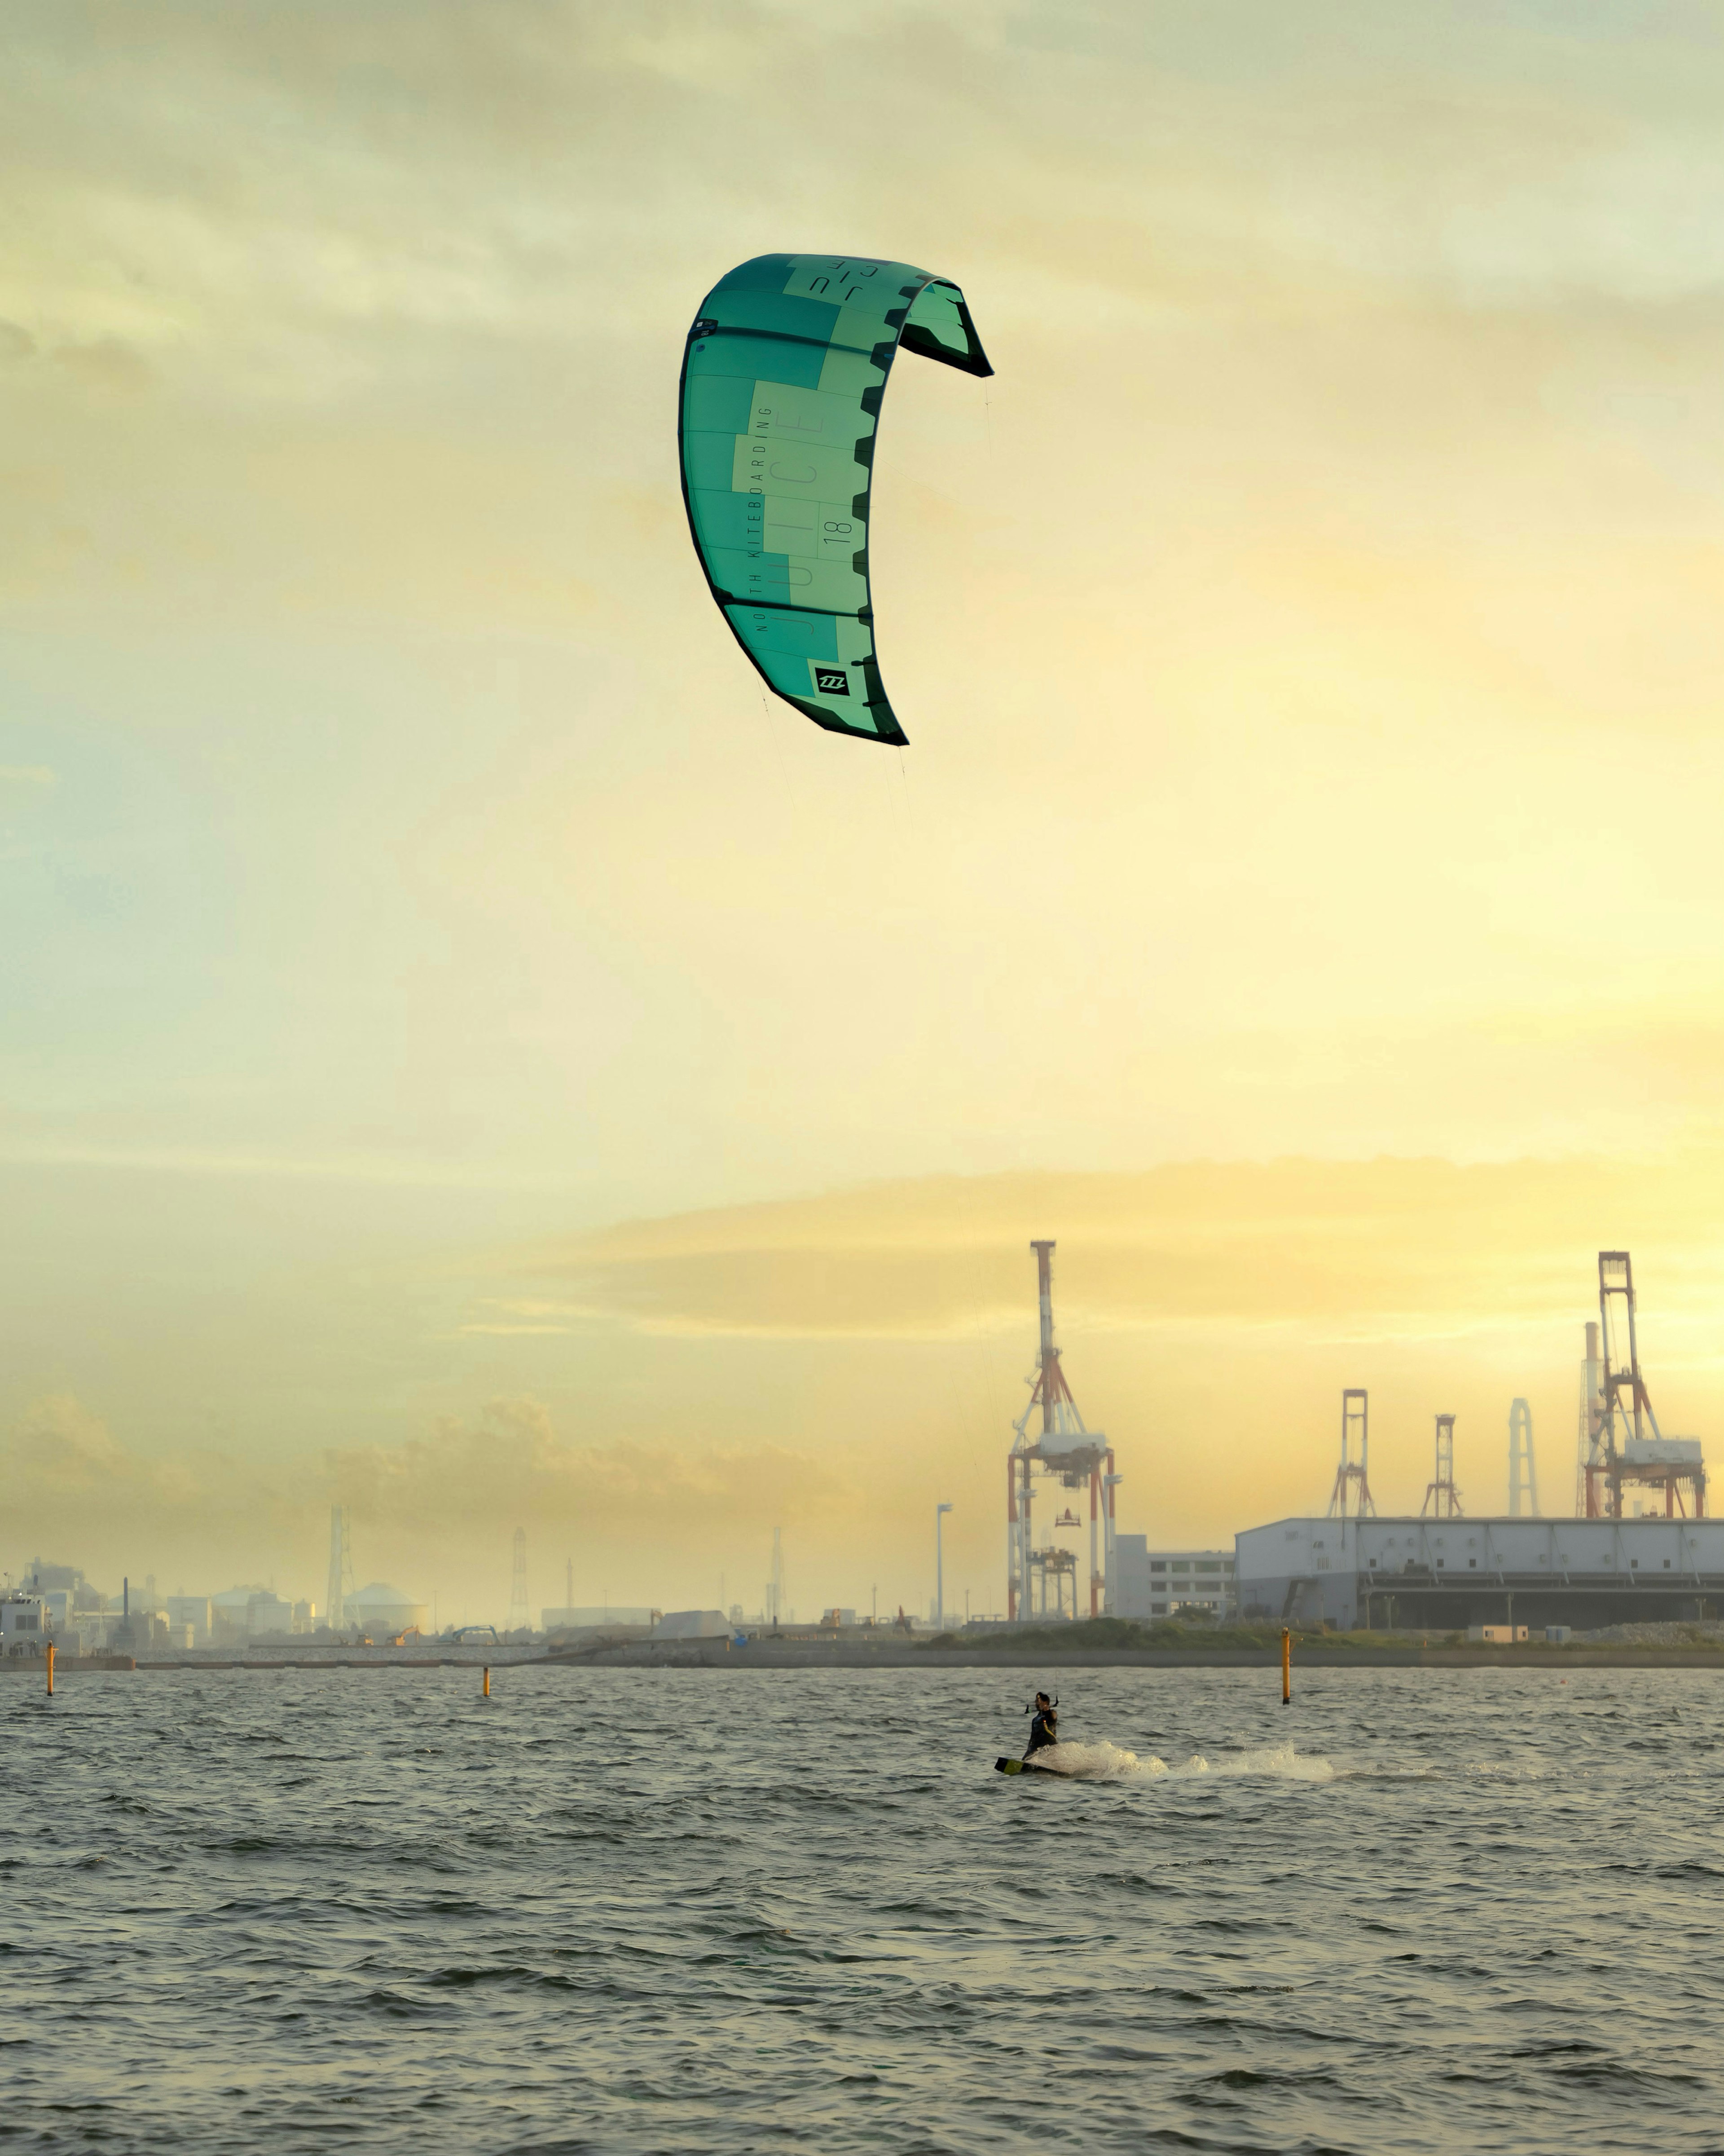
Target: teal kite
x=781 y=383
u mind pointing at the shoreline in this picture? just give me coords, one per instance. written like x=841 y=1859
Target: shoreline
x=1553 y=1660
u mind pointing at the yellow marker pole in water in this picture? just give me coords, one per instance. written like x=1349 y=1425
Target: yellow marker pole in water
x=50 y=1669
x=1286 y=1667
x=487 y=1680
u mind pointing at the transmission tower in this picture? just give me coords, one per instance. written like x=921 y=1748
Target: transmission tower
x=519 y=1619
x=1354 y=1473
x=1442 y=1500
x=1523 y=1475
x=340 y=1569
x=775 y=1586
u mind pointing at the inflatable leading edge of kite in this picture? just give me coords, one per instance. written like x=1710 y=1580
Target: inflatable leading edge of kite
x=782 y=382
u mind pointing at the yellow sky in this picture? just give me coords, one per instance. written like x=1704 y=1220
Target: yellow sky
x=1310 y=642
x=651 y=1398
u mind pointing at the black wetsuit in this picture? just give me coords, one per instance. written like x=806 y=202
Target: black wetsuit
x=1044 y=1731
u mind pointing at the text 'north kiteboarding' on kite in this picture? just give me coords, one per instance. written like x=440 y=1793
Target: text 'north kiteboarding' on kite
x=781 y=383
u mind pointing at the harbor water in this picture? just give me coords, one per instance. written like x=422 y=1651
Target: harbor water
x=704 y=1911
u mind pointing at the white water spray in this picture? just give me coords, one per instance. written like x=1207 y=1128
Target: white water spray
x=1108 y=1762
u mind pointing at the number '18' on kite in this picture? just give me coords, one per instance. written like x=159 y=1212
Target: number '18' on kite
x=782 y=382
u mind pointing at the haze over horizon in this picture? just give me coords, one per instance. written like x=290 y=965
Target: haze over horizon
x=467 y=1053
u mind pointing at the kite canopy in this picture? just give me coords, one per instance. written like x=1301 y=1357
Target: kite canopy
x=781 y=383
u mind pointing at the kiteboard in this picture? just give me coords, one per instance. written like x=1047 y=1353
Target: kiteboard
x=1024 y=1767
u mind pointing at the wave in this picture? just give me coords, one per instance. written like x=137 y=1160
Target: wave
x=1110 y=1763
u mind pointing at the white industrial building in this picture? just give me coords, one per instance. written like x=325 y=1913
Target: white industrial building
x=1453 y=1572
x=23 y=1626
x=1149 y=1584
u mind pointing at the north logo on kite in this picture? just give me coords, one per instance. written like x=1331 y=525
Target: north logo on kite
x=831 y=681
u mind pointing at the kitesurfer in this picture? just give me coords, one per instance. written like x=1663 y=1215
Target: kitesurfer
x=1044 y=1728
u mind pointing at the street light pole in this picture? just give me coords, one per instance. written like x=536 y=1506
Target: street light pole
x=940 y=1513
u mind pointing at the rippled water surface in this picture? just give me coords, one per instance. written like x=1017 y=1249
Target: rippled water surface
x=694 y=1911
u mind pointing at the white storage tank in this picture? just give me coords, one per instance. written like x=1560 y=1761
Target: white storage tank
x=383 y=1610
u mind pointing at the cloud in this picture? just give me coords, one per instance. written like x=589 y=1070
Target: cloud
x=511 y=1463
x=105 y=363
x=70 y=1474
x=422 y=1512
x=58 y=1445
x=1334 y=1249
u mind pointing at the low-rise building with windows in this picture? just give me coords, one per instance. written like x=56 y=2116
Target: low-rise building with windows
x=1149 y=1583
x=23 y=1626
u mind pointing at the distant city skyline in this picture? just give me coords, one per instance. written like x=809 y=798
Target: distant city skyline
x=843 y=1355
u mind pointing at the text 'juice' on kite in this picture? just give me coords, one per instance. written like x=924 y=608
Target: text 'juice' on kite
x=782 y=382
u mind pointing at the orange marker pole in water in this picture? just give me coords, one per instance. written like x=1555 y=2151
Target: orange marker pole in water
x=50 y=1669
x=1286 y=1667
x=487 y=1680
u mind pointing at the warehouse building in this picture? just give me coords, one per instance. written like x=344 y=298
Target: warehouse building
x=1448 y=1574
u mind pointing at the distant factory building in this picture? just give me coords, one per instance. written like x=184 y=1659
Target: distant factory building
x=691 y=1624
x=65 y=1576
x=596 y=1619
x=80 y=1631
x=228 y=1618
x=76 y=1611
x=187 y=1613
x=236 y=1615
x=267 y=1615
x=1449 y=1573
x=1150 y=1583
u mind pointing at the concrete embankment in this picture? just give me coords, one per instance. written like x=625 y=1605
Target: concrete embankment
x=796 y=1654
x=64 y=1665
x=352 y=1658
